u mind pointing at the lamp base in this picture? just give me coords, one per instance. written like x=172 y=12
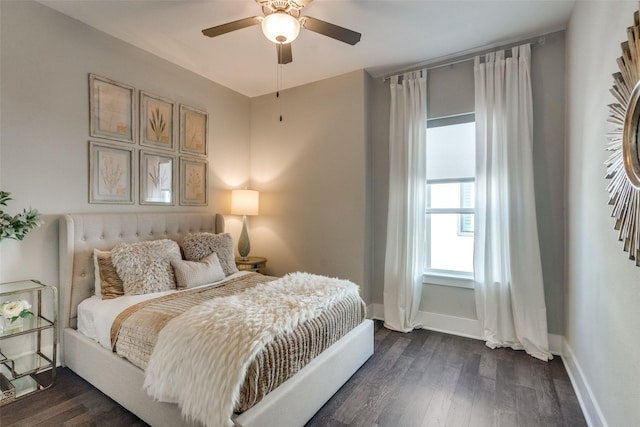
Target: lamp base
x=244 y=246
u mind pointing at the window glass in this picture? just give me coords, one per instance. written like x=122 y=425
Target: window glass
x=444 y=195
x=451 y=151
x=450 y=199
x=450 y=249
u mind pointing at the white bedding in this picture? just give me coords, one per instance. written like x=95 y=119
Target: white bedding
x=95 y=315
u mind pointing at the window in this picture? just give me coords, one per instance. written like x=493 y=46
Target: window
x=450 y=201
x=467 y=200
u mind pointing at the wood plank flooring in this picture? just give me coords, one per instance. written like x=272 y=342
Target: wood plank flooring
x=422 y=378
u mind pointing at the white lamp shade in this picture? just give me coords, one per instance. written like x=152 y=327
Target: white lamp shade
x=280 y=27
x=245 y=202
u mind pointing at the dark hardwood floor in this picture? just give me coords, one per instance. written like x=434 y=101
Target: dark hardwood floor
x=419 y=379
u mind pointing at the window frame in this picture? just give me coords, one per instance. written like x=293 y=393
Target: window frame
x=463 y=217
x=435 y=276
x=440 y=277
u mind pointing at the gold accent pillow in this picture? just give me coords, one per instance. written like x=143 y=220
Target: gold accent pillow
x=110 y=283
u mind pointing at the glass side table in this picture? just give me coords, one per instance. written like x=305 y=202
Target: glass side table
x=19 y=366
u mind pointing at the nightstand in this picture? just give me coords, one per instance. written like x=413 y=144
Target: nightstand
x=19 y=372
x=252 y=263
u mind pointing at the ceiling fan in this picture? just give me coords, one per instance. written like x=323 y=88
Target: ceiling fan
x=281 y=24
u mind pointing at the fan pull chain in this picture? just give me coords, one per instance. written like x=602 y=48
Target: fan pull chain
x=279 y=80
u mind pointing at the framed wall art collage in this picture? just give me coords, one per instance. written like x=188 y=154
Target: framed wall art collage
x=158 y=150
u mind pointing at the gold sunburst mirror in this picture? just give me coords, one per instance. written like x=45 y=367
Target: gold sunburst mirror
x=623 y=165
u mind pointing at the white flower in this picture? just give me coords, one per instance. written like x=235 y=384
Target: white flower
x=11 y=309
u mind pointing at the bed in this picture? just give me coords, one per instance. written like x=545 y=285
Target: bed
x=292 y=403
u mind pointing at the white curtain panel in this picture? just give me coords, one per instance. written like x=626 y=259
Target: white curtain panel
x=508 y=272
x=406 y=222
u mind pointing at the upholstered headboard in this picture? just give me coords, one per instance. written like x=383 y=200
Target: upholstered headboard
x=80 y=234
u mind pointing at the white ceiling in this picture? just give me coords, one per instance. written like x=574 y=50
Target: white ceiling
x=395 y=34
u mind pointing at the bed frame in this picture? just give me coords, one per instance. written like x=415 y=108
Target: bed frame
x=293 y=403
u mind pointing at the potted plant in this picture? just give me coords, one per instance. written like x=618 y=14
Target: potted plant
x=17 y=226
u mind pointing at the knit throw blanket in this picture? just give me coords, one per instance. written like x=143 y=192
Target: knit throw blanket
x=201 y=356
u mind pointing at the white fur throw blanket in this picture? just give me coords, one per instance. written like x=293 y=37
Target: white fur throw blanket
x=201 y=356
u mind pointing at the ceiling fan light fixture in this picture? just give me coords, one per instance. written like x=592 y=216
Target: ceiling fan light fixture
x=280 y=27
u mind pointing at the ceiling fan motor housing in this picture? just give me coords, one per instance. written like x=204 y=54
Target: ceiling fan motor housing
x=280 y=27
x=287 y=6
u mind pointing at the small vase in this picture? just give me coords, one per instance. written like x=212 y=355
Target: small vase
x=9 y=327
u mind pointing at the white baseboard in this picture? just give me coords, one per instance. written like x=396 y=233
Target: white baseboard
x=590 y=408
x=469 y=328
x=453 y=325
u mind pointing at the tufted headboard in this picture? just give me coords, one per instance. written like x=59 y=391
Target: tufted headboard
x=80 y=234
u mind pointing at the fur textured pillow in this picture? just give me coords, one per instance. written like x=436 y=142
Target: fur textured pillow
x=145 y=267
x=195 y=273
x=199 y=245
x=109 y=285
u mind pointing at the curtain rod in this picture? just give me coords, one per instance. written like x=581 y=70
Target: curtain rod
x=469 y=55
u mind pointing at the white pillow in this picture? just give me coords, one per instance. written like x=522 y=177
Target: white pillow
x=195 y=273
x=96 y=274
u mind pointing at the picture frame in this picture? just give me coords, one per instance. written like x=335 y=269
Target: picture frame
x=111 y=109
x=156 y=121
x=157 y=178
x=111 y=173
x=193 y=181
x=194 y=130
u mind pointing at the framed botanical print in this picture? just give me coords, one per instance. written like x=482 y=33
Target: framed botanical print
x=111 y=109
x=193 y=181
x=156 y=178
x=156 y=121
x=193 y=131
x=110 y=173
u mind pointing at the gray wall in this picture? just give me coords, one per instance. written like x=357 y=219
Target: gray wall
x=603 y=285
x=45 y=61
x=547 y=75
x=548 y=86
x=311 y=172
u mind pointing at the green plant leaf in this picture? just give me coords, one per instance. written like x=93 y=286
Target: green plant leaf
x=16 y=227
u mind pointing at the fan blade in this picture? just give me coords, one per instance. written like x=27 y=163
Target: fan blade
x=330 y=30
x=284 y=53
x=232 y=26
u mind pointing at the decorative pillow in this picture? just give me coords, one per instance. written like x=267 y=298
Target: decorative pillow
x=145 y=267
x=108 y=283
x=195 y=273
x=199 y=245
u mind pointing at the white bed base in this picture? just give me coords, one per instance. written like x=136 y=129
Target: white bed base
x=293 y=403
